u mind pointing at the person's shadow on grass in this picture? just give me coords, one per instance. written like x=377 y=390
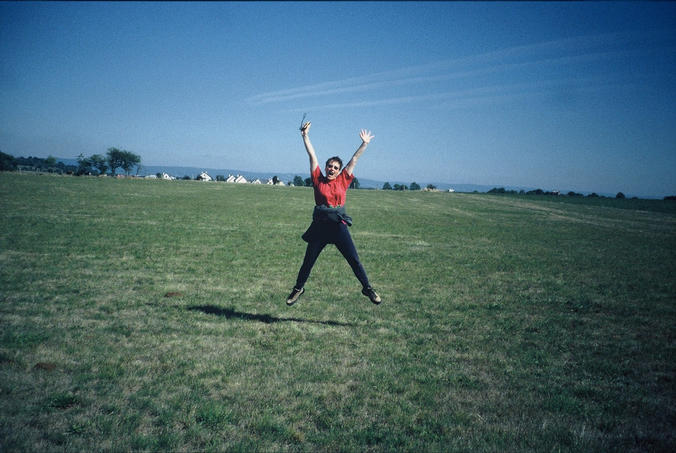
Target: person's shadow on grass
x=230 y=313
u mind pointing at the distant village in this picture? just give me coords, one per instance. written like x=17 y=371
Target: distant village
x=239 y=179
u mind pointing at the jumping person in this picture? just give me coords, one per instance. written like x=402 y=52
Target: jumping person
x=329 y=220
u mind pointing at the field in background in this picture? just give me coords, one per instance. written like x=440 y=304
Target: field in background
x=508 y=323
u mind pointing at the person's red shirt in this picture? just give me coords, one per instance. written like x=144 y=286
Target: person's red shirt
x=330 y=192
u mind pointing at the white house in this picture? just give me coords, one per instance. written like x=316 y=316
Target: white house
x=240 y=180
x=204 y=177
x=230 y=179
x=166 y=177
x=256 y=181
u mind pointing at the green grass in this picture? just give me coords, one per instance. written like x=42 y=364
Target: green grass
x=508 y=323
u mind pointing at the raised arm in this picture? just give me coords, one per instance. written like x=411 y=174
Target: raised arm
x=308 y=146
x=365 y=140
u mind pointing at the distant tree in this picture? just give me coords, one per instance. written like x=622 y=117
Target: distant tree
x=30 y=163
x=387 y=186
x=354 y=184
x=84 y=165
x=99 y=163
x=574 y=194
x=400 y=187
x=186 y=178
x=7 y=162
x=122 y=159
x=275 y=180
x=415 y=186
x=431 y=187
x=158 y=175
x=130 y=160
x=670 y=198
x=535 y=192
x=620 y=195
x=220 y=178
x=308 y=182
x=298 y=181
x=502 y=190
x=114 y=159
x=50 y=161
x=593 y=195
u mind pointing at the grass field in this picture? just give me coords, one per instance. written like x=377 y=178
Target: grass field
x=509 y=323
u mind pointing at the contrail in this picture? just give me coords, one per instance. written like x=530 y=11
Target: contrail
x=567 y=51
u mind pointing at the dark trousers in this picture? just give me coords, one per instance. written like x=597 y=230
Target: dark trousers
x=334 y=234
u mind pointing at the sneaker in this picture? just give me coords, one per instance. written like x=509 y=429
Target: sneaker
x=294 y=296
x=371 y=294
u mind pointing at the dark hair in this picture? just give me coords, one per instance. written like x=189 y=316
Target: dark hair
x=336 y=159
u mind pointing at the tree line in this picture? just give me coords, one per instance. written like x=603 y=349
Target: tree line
x=48 y=165
x=414 y=186
x=95 y=164
x=502 y=190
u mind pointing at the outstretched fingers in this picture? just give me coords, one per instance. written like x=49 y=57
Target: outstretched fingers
x=365 y=136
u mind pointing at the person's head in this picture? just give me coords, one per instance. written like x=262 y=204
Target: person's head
x=333 y=166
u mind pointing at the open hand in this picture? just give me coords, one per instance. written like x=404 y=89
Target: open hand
x=365 y=136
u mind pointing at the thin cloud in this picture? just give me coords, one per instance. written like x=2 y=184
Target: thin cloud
x=567 y=51
x=486 y=94
x=294 y=94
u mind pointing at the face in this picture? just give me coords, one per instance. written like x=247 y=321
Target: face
x=332 y=169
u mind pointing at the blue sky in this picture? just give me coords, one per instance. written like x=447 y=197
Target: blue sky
x=561 y=96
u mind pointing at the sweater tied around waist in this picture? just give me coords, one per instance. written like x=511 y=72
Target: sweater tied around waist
x=335 y=214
